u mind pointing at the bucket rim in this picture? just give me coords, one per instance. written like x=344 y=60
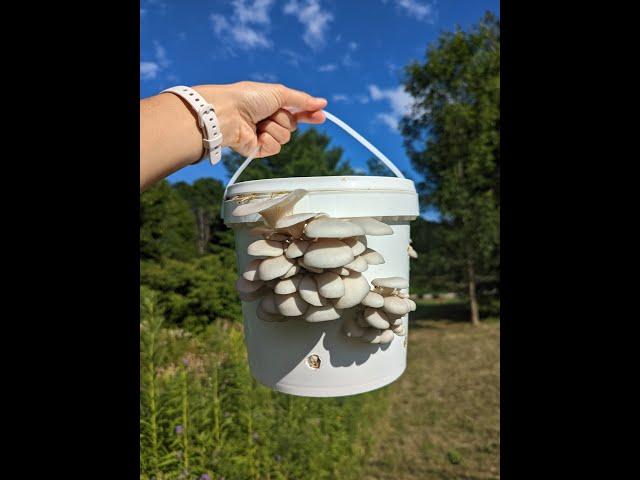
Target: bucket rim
x=327 y=183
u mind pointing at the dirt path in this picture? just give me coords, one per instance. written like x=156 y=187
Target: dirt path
x=445 y=409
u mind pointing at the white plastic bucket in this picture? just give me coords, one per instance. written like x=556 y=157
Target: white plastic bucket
x=317 y=359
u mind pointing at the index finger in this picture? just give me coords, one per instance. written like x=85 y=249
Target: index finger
x=302 y=100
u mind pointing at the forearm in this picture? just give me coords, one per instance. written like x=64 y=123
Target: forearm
x=170 y=138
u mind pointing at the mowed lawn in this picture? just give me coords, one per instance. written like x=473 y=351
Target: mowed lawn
x=444 y=417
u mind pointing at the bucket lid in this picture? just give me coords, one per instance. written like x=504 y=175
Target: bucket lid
x=339 y=196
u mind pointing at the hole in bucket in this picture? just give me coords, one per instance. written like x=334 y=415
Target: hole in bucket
x=314 y=361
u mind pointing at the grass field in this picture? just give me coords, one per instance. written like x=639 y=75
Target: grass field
x=444 y=412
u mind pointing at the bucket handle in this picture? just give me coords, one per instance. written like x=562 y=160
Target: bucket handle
x=378 y=154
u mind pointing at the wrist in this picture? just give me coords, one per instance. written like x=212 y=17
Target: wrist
x=223 y=105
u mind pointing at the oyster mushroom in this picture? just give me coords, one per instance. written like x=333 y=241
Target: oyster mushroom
x=396 y=305
x=294 y=224
x=309 y=268
x=399 y=330
x=371 y=335
x=391 y=282
x=373 y=300
x=358 y=244
x=330 y=285
x=274 y=267
x=412 y=304
x=265 y=316
x=245 y=286
x=297 y=248
x=291 y=305
x=340 y=271
x=372 y=226
x=265 y=248
x=372 y=257
x=386 y=336
x=412 y=253
x=356 y=288
x=251 y=271
x=272 y=209
x=321 y=313
x=294 y=270
x=376 y=318
x=359 y=264
x=328 y=253
x=268 y=304
x=253 y=296
x=308 y=290
x=288 y=285
x=260 y=230
x=325 y=227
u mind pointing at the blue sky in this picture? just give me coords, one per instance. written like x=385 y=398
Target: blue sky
x=350 y=52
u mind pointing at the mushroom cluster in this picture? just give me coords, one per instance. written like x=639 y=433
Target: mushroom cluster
x=307 y=265
x=381 y=312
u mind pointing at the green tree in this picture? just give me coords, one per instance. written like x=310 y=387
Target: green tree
x=204 y=197
x=453 y=139
x=167 y=225
x=306 y=155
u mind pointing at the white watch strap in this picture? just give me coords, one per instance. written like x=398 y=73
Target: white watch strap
x=207 y=120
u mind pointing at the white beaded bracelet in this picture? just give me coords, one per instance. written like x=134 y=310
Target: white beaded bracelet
x=207 y=121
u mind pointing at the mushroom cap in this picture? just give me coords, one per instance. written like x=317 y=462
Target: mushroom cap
x=359 y=264
x=294 y=270
x=412 y=304
x=265 y=248
x=308 y=290
x=373 y=300
x=351 y=329
x=402 y=295
x=265 y=316
x=412 y=253
x=330 y=285
x=372 y=257
x=358 y=244
x=398 y=330
x=391 y=282
x=340 y=271
x=290 y=220
x=251 y=270
x=395 y=305
x=371 y=226
x=288 y=285
x=376 y=318
x=253 y=296
x=297 y=248
x=270 y=209
x=308 y=267
x=245 y=286
x=387 y=336
x=356 y=288
x=260 y=230
x=321 y=313
x=371 y=335
x=326 y=227
x=291 y=305
x=268 y=304
x=328 y=253
x=274 y=267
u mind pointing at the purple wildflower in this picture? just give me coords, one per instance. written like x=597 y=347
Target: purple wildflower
x=185 y=361
x=179 y=429
x=205 y=476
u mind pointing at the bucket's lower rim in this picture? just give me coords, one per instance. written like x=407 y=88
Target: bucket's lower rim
x=324 y=391
x=332 y=183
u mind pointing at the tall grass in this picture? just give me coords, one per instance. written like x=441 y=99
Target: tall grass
x=202 y=416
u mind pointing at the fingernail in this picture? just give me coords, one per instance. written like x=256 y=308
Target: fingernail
x=320 y=99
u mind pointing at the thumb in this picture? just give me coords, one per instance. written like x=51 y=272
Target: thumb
x=295 y=98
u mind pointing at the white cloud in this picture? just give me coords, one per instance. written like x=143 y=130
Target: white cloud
x=353 y=46
x=399 y=101
x=340 y=97
x=417 y=9
x=263 y=77
x=149 y=70
x=329 y=67
x=236 y=30
x=314 y=18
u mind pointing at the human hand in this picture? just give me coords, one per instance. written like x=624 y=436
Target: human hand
x=252 y=114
